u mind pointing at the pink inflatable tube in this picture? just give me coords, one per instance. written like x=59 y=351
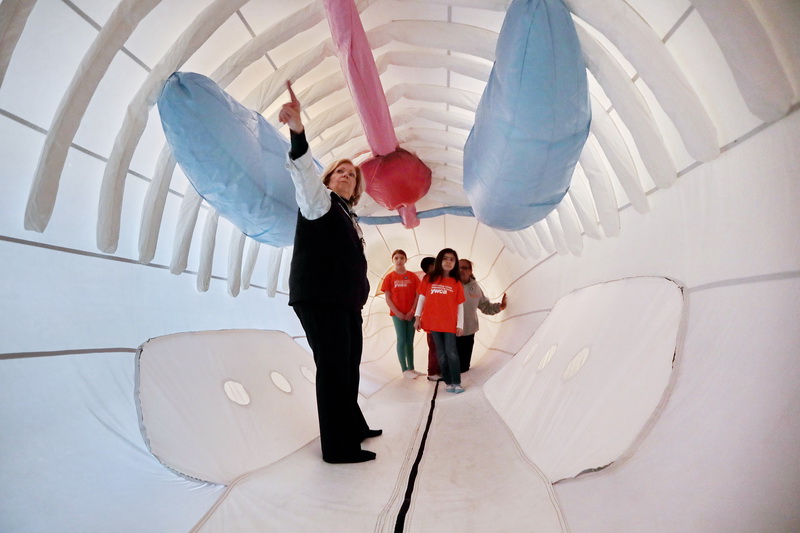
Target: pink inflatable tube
x=395 y=178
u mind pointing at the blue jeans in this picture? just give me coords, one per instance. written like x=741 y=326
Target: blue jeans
x=405 y=342
x=447 y=353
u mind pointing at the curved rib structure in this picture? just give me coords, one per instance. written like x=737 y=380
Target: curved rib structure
x=649 y=339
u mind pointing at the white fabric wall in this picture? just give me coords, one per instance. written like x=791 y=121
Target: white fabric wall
x=723 y=455
x=56 y=301
x=59 y=293
x=724 y=222
x=72 y=457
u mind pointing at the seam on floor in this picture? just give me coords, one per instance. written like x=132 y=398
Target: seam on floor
x=399 y=526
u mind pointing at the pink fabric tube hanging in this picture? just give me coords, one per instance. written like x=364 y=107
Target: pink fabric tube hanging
x=395 y=178
x=361 y=74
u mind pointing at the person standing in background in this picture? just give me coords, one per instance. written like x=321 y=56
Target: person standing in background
x=440 y=311
x=400 y=287
x=474 y=300
x=434 y=374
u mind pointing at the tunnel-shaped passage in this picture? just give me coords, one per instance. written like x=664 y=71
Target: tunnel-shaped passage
x=237 y=408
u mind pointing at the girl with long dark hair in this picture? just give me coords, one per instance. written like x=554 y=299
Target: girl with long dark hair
x=440 y=311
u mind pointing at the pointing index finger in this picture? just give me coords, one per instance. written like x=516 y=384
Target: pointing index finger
x=291 y=92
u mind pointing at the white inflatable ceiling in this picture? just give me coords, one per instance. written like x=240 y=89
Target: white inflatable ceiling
x=644 y=376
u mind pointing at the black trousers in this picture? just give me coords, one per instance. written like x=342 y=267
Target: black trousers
x=464 y=344
x=336 y=339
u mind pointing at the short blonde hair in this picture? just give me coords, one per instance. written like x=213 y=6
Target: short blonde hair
x=359 y=190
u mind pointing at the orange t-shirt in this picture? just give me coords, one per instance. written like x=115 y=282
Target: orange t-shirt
x=440 y=311
x=403 y=288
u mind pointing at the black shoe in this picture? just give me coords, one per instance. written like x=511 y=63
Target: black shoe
x=372 y=433
x=361 y=456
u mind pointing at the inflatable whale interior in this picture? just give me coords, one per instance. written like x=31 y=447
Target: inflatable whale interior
x=624 y=171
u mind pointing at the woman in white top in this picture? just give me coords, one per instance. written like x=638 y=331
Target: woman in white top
x=328 y=287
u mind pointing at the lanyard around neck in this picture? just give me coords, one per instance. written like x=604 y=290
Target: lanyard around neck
x=353 y=218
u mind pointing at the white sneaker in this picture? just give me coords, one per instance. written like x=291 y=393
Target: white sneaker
x=458 y=389
x=410 y=374
x=434 y=377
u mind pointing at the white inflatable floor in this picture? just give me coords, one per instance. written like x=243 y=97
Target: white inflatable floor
x=230 y=415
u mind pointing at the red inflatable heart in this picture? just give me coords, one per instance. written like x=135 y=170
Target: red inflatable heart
x=396 y=181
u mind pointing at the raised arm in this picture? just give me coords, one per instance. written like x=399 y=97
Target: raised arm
x=290 y=112
x=489 y=308
x=312 y=196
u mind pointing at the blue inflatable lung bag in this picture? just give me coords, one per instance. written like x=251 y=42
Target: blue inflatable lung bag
x=532 y=121
x=234 y=159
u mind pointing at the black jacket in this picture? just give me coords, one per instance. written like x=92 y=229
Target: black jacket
x=328 y=264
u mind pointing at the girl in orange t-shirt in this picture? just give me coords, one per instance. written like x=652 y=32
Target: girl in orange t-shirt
x=440 y=311
x=400 y=287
